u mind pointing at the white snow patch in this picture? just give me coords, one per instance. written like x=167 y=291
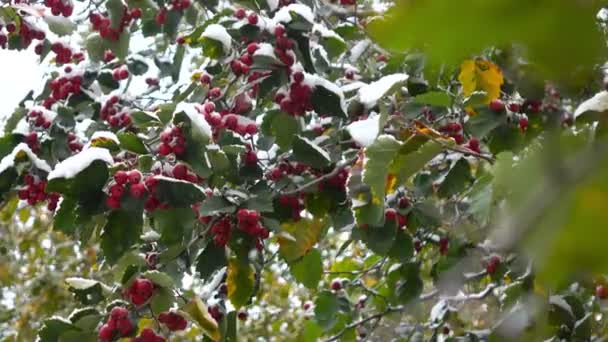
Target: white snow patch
x=358 y=49
x=9 y=160
x=75 y=164
x=219 y=33
x=352 y=86
x=272 y=4
x=198 y=121
x=105 y=135
x=325 y=32
x=265 y=49
x=371 y=93
x=23 y=127
x=598 y=103
x=284 y=14
x=80 y=283
x=364 y=132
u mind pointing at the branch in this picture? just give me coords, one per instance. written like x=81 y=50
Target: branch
x=377 y=316
x=316 y=181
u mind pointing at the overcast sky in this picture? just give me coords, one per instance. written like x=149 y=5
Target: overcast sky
x=20 y=73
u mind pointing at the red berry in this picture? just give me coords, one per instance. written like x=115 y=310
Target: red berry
x=497 y=106
x=117 y=190
x=164 y=149
x=251 y=48
x=336 y=285
x=105 y=333
x=492 y=264
x=251 y=129
x=242 y=315
x=161 y=17
x=134 y=177
x=136 y=13
x=180 y=171
x=298 y=77
x=252 y=19
x=390 y=214
x=601 y=291
x=307 y=305
x=180 y=40
x=215 y=92
x=474 y=145
x=240 y=13
x=404 y=202
x=137 y=190
x=279 y=30
x=121 y=177
x=113 y=202
x=523 y=123
x=514 y=107
x=231 y=122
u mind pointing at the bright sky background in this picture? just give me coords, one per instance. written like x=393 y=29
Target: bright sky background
x=20 y=73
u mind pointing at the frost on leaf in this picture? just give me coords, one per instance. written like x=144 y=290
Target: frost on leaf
x=75 y=164
x=19 y=151
x=371 y=93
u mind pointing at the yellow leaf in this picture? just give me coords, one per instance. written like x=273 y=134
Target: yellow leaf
x=197 y=311
x=481 y=75
x=240 y=281
x=306 y=233
x=391 y=183
x=144 y=323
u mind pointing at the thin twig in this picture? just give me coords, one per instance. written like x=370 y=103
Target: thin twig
x=316 y=181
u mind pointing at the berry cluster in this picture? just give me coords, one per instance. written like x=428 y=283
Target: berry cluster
x=73 y=144
x=148 y=335
x=59 y=7
x=248 y=221
x=252 y=17
x=110 y=113
x=221 y=231
x=294 y=203
x=37 y=118
x=286 y=168
x=62 y=87
x=108 y=56
x=140 y=291
x=34 y=192
x=284 y=46
x=348 y=2
x=26 y=32
x=392 y=215
x=241 y=66
x=104 y=25
x=152 y=81
x=181 y=172
x=231 y=122
x=32 y=142
x=180 y=5
x=336 y=182
x=119 y=324
x=65 y=54
x=211 y=116
x=137 y=188
x=120 y=73
x=454 y=130
x=172 y=141
x=298 y=101
x=173 y=320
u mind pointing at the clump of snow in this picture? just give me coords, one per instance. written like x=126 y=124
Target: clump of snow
x=284 y=14
x=316 y=81
x=272 y=4
x=598 y=103
x=325 y=32
x=371 y=93
x=352 y=86
x=105 y=135
x=75 y=164
x=196 y=119
x=266 y=50
x=364 y=132
x=23 y=127
x=9 y=160
x=358 y=50
x=80 y=283
x=218 y=32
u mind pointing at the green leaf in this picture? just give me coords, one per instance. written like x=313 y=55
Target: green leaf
x=137 y=65
x=53 y=328
x=282 y=126
x=309 y=269
x=307 y=152
x=405 y=283
x=211 y=48
x=85 y=187
x=380 y=239
x=116 y=10
x=177 y=193
x=458 y=179
x=214 y=205
x=434 y=98
x=131 y=142
x=120 y=234
x=403 y=248
x=144 y=119
x=178 y=58
x=211 y=259
x=326 y=309
x=413 y=157
x=484 y=122
x=197 y=310
x=327 y=102
x=303 y=235
x=240 y=281
x=175 y=225
x=311 y=332
x=60 y=25
x=120 y=47
x=162 y=300
x=159 y=278
x=87 y=291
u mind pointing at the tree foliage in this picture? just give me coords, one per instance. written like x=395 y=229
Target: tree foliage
x=306 y=171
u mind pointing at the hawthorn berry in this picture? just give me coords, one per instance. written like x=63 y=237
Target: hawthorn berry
x=173 y=320
x=497 y=106
x=601 y=291
x=140 y=291
x=336 y=285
